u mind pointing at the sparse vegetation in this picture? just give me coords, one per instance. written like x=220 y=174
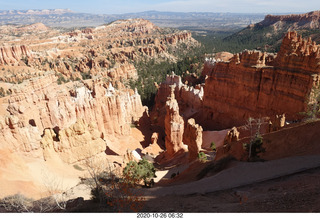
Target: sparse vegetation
x=213 y=146
x=61 y=79
x=254 y=147
x=85 y=75
x=112 y=193
x=202 y=157
x=135 y=172
x=313 y=104
x=151 y=72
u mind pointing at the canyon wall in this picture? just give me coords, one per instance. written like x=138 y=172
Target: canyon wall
x=254 y=84
x=40 y=104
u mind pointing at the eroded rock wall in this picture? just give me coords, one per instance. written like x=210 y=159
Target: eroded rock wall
x=12 y=55
x=40 y=104
x=255 y=85
x=189 y=99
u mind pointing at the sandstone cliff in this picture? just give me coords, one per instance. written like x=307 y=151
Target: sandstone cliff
x=254 y=85
x=40 y=104
x=307 y=20
x=13 y=55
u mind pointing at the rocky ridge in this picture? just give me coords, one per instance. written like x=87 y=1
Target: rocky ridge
x=268 y=34
x=104 y=50
x=308 y=20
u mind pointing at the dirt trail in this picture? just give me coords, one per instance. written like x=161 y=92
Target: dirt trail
x=242 y=174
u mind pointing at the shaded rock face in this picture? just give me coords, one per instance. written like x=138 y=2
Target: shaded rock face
x=39 y=105
x=192 y=137
x=174 y=127
x=254 y=85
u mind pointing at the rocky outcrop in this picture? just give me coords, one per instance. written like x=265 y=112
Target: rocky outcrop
x=174 y=127
x=249 y=87
x=40 y=104
x=76 y=143
x=188 y=97
x=13 y=55
x=298 y=55
x=307 y=20
x=232 y=136
x=192 y=137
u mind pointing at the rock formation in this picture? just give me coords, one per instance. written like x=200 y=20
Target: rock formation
x=253 y=85
x=105 y=51
x=40 y=104
x=188 y=97
x=174 y=127
x=232 y=136
x=307 y=20
x=76 y=143
x=192 y=137
x=298 y=55
x=13 y=55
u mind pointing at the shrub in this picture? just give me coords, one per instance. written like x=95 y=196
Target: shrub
x=313 y=104
x=255 y=147
x=2 y=92
x=135 y=172
x=61 y=79
x=202 y=157
x=213 y=146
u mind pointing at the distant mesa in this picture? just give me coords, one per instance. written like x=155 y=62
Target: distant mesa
x=308 y=20
x=36 y=12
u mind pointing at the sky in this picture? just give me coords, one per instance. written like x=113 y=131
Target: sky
x=127 y=6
